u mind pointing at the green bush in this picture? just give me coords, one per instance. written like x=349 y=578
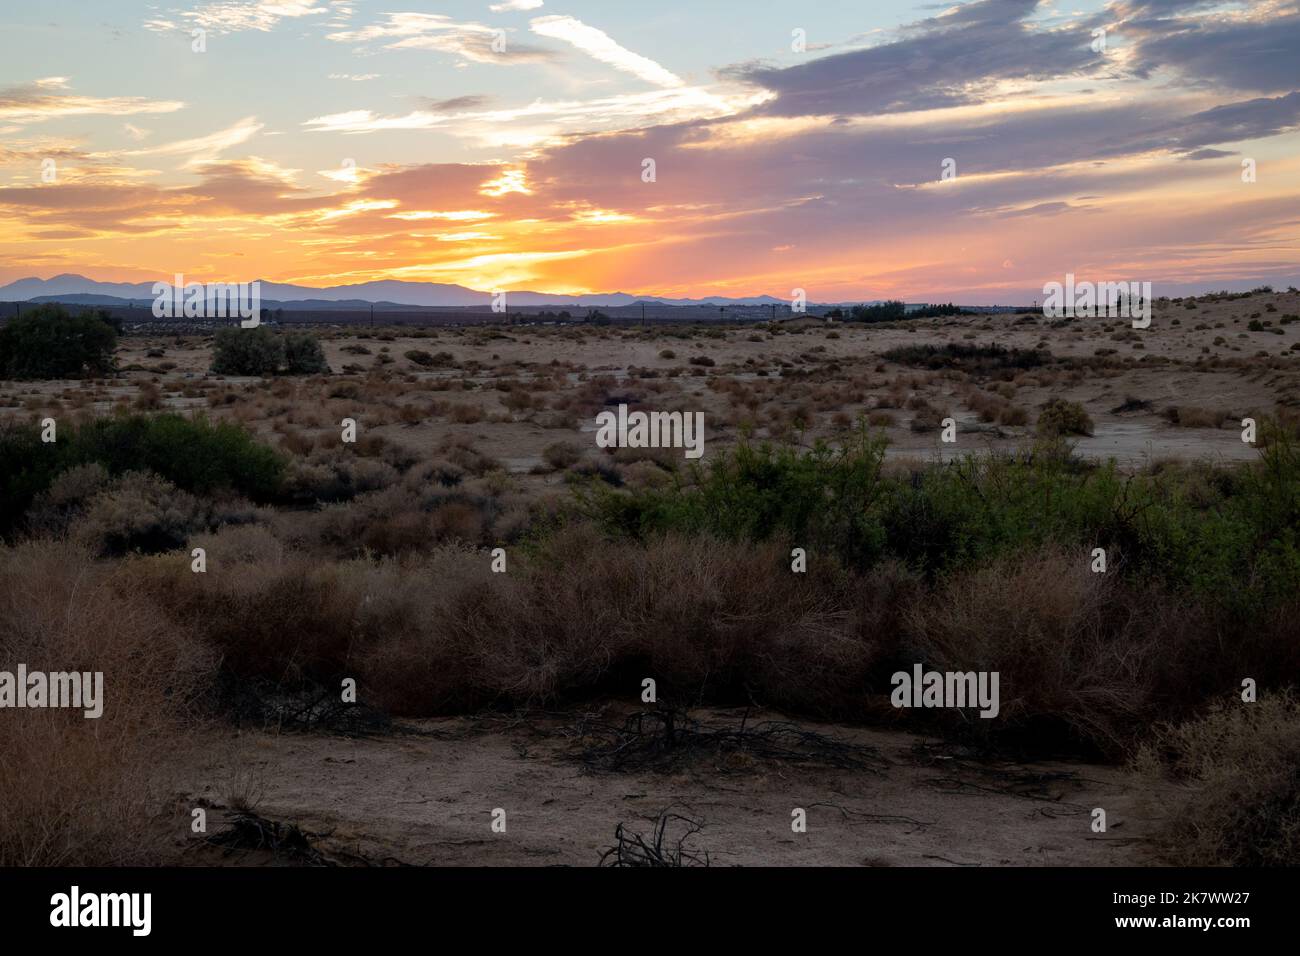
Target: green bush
x=196 y=455
x=1231 y=536
x=238 y=351
x=303 y=355
x=48 y=343
x=259 y=351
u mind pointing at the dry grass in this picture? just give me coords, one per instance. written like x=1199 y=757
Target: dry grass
x=79 y=791
x=1074 y=649
x=1229 y=783
x=709 y=620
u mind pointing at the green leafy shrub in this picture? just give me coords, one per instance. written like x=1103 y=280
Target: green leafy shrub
x=196 y=455
x=303 y=355
x=49 y=343
x=259 y=351
x=238 y=351
x=1230 y=535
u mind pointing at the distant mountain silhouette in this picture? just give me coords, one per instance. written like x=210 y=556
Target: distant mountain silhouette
x=77 y=289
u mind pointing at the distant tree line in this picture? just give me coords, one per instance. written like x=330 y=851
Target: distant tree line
x=893 y=311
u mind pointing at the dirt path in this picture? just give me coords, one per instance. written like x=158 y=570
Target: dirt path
x=427 y=796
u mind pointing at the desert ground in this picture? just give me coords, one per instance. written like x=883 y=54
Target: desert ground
x=423 y=795
x=802 y=379
x=372 y=560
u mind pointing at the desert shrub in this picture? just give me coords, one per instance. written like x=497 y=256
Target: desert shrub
x=465 y=414
x=969 y=358
x=139 y=512
x=1075 y=651
x=419 y=357
x=517 y=400
x=93 y=792
x=1230 y=784
x=148 y=398
x=1187 y=416
x=66 y=498
x=28 y=466
x=48 y=342
x=880 y=419
x=240 y=351
x=1232 y=538
x=757 y=492
x=468 y=458
x=259 y=351
x=1061 y=418
x=596 y=468
x=1013 y=415
x=287 y=619
x=561 y=455
x=194 y=454
x=927 y=418
x=303 y=355
x=336 y=475
x=578 y=615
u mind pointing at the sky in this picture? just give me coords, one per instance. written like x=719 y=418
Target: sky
x=854 y=150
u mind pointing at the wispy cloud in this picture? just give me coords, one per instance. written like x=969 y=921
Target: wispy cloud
x=601 y=46
x=232 y=16
x=48 y=98
x=203 y=148
x=470 y=40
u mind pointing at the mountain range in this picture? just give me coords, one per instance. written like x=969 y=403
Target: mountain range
x=388 y=292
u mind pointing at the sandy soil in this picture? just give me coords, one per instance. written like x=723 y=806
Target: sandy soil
x=1157 y=366
x=426 y=795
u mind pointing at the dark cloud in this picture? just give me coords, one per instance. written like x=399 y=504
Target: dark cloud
x=949 y=60
x=1228 y=123
x=1257 y=56
x=454 y=104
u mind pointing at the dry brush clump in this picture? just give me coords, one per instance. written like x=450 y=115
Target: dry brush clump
x=1078 y=653
x=438 y=632
x=1228 y=784
x=79 y=791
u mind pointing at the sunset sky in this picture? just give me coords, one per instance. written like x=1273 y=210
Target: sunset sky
x=325 y=142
